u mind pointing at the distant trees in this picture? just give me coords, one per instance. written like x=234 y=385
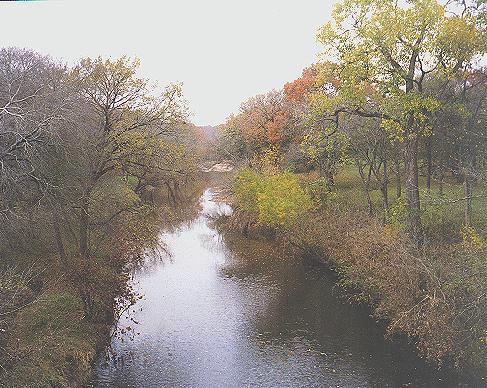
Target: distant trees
x=231 y=143
x=322 y=142
x=260 y=126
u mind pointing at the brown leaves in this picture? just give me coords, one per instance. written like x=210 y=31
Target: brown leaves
x=297 y=89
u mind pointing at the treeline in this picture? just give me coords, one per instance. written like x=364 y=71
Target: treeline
x=387 y=135
x=86 y=153
x=403 y=96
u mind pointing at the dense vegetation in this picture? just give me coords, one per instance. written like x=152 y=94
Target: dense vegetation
x=375 y=158
x=91 y=159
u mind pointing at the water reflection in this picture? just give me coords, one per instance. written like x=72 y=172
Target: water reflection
x=230 y=312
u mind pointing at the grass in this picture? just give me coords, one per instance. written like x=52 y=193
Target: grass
x=45 y=338
x=48 y=342
x=53 y=343
x=442 y=218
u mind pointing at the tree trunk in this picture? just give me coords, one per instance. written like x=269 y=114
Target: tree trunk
x=331 y=178
x=385 y=192
x=442 y=177
x=328 y=174
x=176 y=190
x=467 y=191
x=84 y=222
x=365 y=185
x=59 y=237
x=429 y=165
x=170 y=192
x=415 y=227
x=397 y=165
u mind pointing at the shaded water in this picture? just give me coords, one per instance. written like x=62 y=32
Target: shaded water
x=237 y=313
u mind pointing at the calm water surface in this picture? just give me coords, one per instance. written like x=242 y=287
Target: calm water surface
x=240 y=313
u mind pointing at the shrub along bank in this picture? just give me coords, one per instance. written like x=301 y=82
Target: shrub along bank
x=436 y=296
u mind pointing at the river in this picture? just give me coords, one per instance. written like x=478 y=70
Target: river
x=230 y=312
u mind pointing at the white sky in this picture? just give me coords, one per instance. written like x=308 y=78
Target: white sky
x=224 y=51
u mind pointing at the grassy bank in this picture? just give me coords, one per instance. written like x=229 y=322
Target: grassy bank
x=47 y=338
x=435 y=296
x=57 y=314
x=442 y=207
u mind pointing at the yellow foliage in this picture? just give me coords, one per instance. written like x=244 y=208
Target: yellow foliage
x=471 y=239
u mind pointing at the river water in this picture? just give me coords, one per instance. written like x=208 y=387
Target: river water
x=230 y=312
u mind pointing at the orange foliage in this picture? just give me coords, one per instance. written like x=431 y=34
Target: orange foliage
x=275 y=126
x=297 y=89
x=262 y=119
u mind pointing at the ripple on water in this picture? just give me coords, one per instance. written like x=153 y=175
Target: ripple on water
x=236 y=313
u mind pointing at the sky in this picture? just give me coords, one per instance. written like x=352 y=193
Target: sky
x=224 y=51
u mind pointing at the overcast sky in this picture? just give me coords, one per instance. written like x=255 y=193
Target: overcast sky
x=224 y=51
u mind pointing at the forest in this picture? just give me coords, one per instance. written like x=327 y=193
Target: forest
x=373 y=162
x=375 y=158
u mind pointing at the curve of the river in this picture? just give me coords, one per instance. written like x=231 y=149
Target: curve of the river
x=247 y=314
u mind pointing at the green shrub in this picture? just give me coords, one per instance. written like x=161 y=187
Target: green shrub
x=320 y=192
x=247 y=185
x=276 y=200
x=397 y=213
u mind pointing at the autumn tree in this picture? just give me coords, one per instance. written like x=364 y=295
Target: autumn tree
x=323 y=144
x=259 y=129
x=383 y=51
x=126 y=119
x=31 y=107
x=34 y=107
x=296 y=91
x=231 y=142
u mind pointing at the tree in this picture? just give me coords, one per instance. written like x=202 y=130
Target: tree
x=371 y=151
x=231 y=141
x=327 y=149
x=259 y=128
x=384 y=51
x=125 y=118
x=297 y=90
x=464 y=115
x=32 y=106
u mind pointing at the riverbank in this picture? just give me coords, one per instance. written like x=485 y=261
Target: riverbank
x=231 y=311
x=426 y=295
x=60 y=312
x=49 y=341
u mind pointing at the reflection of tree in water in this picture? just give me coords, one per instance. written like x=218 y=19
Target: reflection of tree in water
x=293 y=305
x=148 y=250
x=250 y=257
x=167 y=217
